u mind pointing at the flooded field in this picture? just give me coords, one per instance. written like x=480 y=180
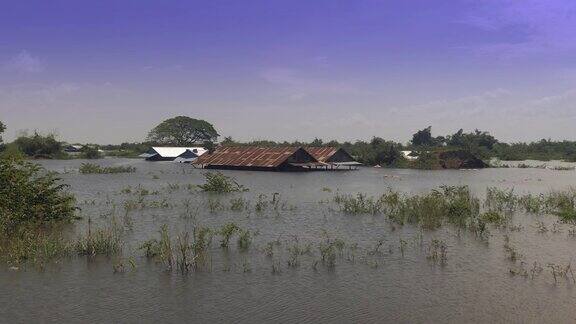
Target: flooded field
x=293 y=254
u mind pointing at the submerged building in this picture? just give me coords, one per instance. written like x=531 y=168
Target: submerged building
x=75 y=148
x=258 y=159
x=176 y=154
x=332 y=157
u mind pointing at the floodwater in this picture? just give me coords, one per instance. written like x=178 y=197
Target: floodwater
x=397 y=283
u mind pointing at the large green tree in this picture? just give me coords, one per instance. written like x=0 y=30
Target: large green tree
x=423 y=137
x=183 y=131
x=2 y=129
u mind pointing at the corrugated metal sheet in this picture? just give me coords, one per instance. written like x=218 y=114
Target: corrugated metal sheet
x=322 y=154
x=248 y=156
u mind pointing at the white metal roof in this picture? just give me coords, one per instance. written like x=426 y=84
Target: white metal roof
x=172 y=152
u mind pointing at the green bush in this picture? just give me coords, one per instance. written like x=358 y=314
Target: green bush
x=91 y=153
x=90 y=168
x=217 y=182
x=40 y=146
x=30 y=195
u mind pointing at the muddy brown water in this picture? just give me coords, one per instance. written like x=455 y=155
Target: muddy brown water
x=399 y=283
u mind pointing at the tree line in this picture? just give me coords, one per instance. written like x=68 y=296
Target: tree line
x=186 y=131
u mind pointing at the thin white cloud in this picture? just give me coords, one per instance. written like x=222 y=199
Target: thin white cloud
x=25 y=62
x=534 y=27
x=33 y=97
x=296 y=85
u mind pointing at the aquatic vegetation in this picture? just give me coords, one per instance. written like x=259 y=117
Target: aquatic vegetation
x=261 y=203
x=559 y=271
x=214 y=205
x=502 y=201
x=121 y=267
x=171 y=187
x=160 y=249
x=190 y=209
x=30 y=196
x=219 y=183
x=202 y=241
x=493 y=217
x=238 y=204
x=536 y=270
x=184 y=256
x=564 y=168
x=226 y=232
x=358 y=204
x=328 y=248
x=437 y=252
x=90 y=168
x=532 y=204
x=403 y=245
x=269 y=248
x=246 y=266
x=35 y=245
x=541 y=227
x=276 y=268
x=296 y=250
x=244 y=239
x=513 y=254
x=180 y=252
x=102 y=241
x=454 y=205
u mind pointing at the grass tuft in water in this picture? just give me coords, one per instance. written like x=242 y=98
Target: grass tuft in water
x=91 y=168
x=219 y=183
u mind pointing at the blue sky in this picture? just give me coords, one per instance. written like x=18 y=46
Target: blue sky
x=108 y=71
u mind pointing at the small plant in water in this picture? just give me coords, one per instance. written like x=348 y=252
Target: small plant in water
x=226 y=232
x=219 y=183
x=90 y=168
x=437 y=252
x=244 y=239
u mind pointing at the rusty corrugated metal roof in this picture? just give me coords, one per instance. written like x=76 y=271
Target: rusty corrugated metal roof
x=322 y=154
x=247 y=156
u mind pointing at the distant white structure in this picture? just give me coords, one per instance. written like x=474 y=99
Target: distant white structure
x=176 y=154
x=73 y=148
x=410 y=155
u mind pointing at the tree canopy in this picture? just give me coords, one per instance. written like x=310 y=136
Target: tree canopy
x=424 y=138
x=183 y=131
x=39 y=145
x=2 y=129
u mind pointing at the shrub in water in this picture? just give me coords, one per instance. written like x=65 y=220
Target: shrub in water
x=217 y=182
x=30 y=195
x=89 y=168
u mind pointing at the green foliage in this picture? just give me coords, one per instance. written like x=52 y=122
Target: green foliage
x=90 y=168
x=423 y=137
x=102 y=241
x=29 y=195
x=2 y=129
x=359 y=204
x=11 y=152
x=128 y=150
x=219 y=183
x=244 y=239
x=160 y=249
x=90 y=152
x=226 y=232
x=377 y=151
x=543 y=150
x=39 y=145
x=427 y=161
x=478 y=143
x=451 y=204
x=183 y=131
